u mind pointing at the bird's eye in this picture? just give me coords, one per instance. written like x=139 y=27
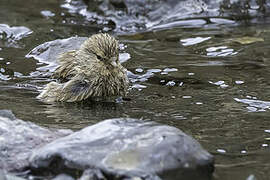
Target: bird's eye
x=99 y=58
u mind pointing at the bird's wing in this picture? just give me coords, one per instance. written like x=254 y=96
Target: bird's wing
x=66 y=70
x=76 y=89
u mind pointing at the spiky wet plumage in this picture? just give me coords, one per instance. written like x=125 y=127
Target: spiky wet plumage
x=93 y=71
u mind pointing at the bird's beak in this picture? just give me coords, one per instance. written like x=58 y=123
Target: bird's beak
x=113 y=61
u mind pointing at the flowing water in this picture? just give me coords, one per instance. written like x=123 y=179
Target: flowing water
x=205 y=74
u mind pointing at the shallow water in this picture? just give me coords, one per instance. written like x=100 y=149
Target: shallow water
x=207 y=76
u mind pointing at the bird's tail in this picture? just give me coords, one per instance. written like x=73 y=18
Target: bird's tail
x=51 y=92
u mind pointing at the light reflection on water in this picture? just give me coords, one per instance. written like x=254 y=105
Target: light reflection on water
x=255 y=105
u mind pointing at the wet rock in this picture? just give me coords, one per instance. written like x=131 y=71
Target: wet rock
x=125 y=149
x=19 y=138
x=6 y=176
x=63 y=177
x=112 y=149
x=7 y=114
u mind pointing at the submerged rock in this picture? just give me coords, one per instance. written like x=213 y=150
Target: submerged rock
x=125 y=149
x=19 y=138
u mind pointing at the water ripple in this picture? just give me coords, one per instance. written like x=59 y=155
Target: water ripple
x=222 y=84
x=47 y=13
x=193 y=41
x=133 y=16
x=255 y=105
x=10 y=35
x=220 y=51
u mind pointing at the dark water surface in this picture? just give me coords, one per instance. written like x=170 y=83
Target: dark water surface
x=208 y=75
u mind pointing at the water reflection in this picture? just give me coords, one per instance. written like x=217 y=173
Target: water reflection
x=193 y=41
x=255 y=105
x=47 y=13
x=10 y=35
x=133 y=16
x=85 y=112
x=220 y=51
x=4 y=77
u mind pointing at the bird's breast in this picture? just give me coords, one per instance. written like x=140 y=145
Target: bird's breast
x=111 y=82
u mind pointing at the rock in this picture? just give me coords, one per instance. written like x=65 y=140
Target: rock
x=19 y=138
x=90 y=174
x=125 y=149
x=63 y=177
x=112 y=149
x=7 y=176
x=7 y=114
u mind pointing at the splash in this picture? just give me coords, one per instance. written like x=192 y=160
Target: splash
x=9 y=36
x=135 y=16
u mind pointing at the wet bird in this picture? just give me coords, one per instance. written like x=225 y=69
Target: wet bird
x=91 y=72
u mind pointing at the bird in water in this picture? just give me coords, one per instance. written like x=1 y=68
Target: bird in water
x=91 y=72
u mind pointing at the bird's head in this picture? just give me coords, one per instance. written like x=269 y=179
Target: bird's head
x=103 y=48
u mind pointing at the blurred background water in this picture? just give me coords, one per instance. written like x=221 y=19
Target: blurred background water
x=201 y=66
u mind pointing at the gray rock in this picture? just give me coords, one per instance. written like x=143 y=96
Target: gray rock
x=19 y=138
x=126 y=149
x=63 y=177
x=112 y=149
x=6 y=176
x=7 y=114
